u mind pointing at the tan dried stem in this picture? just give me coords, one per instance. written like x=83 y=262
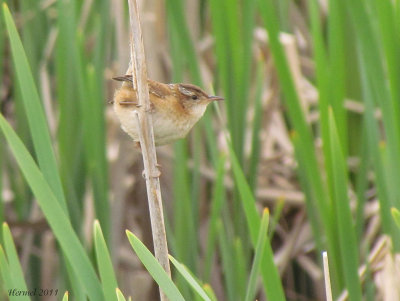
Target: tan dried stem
x=328 y=288
x=145 y=125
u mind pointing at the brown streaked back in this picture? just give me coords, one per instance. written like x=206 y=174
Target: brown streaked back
x=156 y=88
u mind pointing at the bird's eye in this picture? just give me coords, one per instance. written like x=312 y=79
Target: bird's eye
x=194 y=97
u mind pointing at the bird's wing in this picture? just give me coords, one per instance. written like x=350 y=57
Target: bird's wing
x=156 y=88
x=159 y=89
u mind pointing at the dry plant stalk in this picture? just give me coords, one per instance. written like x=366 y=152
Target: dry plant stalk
x=328 y=288
x=145 y=125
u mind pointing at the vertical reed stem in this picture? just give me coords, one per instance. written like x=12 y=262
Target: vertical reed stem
x=145 y=125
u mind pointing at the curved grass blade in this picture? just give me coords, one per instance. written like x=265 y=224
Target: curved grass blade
x=5 y=272
x=34 y=111
x=347 y=237
x=261 y=240
x=54 y=213
x=210 y=292
x=189 y=278
x=120 y=296
x=76 y=286
x=66 y=296
x=269 y=271
x=246 y=195
x=17 y=274
x=107 y=275
x=154 y=268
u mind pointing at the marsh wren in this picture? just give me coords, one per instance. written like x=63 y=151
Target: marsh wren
x=175 y=108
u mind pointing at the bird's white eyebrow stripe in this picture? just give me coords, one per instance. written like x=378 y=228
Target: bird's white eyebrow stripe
x=191 y=89
x=185 y=91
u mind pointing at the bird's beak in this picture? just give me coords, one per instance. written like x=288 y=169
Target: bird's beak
x=215 y=98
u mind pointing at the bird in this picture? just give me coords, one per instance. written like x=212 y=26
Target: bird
x=175 y=108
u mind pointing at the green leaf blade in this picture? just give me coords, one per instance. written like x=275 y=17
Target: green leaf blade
x=347 y=237
x=34 y=111
x=154 y=268
x=54 y=214
x=107 y=275
x=261 y=240
x=17 y=274
x=189 y=278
